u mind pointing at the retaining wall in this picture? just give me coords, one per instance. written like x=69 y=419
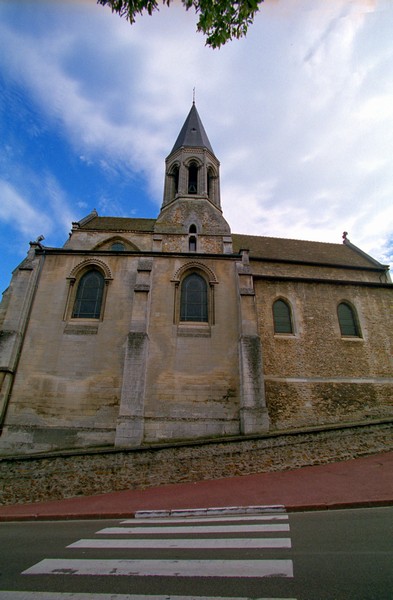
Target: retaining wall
x=67 y=474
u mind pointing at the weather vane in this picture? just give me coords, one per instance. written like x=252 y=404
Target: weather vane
x=193 y=96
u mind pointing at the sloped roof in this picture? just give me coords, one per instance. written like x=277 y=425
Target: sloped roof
x=119 y=224
x=271 y=248
x=192 y=133
x=268 y=248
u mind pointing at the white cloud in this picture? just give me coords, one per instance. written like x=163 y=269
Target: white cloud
x=43 y=209
x=18 y=212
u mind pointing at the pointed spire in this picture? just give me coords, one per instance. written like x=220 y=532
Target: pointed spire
x=193 y=133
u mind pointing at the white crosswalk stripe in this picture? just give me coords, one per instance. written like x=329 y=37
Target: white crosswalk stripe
x=164 y=568
x=197 y=529
x=196 y=543
x=263 y=537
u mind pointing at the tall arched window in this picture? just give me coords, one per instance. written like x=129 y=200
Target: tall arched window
x=282 y=317
x=347 y=318
x=210 y=183
x=88 y=301
x=175 y=174
x=193 y=178
x=193 y=302
x=192 y=238
x=192 y=243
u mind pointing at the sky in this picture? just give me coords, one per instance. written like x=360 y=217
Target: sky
x=299 y=113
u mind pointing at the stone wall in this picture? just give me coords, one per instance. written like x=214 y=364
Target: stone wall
x=292 y=404
x=316 y=375
x=192 y=373
x=68 y=474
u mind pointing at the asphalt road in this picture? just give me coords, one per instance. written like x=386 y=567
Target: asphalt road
x=326 y=555
x=343 y=554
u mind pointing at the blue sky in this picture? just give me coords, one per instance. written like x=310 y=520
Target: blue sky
x=300 y=114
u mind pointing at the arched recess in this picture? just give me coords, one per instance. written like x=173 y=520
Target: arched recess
x=117 y=247
x=194 y=305
x=192 y=186
x=87 y=290
x=282 y=316
x=89 y=295
x=211 y=183
x=348 y=320
x=192 y=238
x=194 y=294
x=174 y=174
x=87 y=264
x=194 y=171
x=110 y=242
x=195 y=266
x=172 y=186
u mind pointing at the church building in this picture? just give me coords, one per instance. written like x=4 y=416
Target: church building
x=146 y=331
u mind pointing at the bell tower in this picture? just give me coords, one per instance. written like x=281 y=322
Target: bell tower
x=191 y=203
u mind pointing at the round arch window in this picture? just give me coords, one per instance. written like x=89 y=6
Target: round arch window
x=194 y=299
x=118 y=247
x=89 y=296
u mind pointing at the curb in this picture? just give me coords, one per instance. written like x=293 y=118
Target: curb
x=340 y=505
x=209 y=512
x=278 y=509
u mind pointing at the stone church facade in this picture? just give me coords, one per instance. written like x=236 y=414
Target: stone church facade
x=143 y=331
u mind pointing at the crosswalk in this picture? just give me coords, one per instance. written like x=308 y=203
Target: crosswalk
x=164 y=567
x=195 y=548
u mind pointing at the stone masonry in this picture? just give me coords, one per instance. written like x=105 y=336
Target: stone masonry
x=62 y=475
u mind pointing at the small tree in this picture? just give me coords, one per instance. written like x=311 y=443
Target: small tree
x=219 y=20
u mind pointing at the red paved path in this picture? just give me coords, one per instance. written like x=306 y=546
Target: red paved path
x=361 y=482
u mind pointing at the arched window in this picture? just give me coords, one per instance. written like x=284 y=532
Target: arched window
x=118 y=247
x=210 y=183
x=192 y=239
x=193 y=302
x=175 y=175
x=89 y=296
x=193 y=178
x=192 y=243
x=347 y=318
x=282 y=317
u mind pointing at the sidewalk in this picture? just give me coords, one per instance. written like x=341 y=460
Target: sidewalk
x=364 y=481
